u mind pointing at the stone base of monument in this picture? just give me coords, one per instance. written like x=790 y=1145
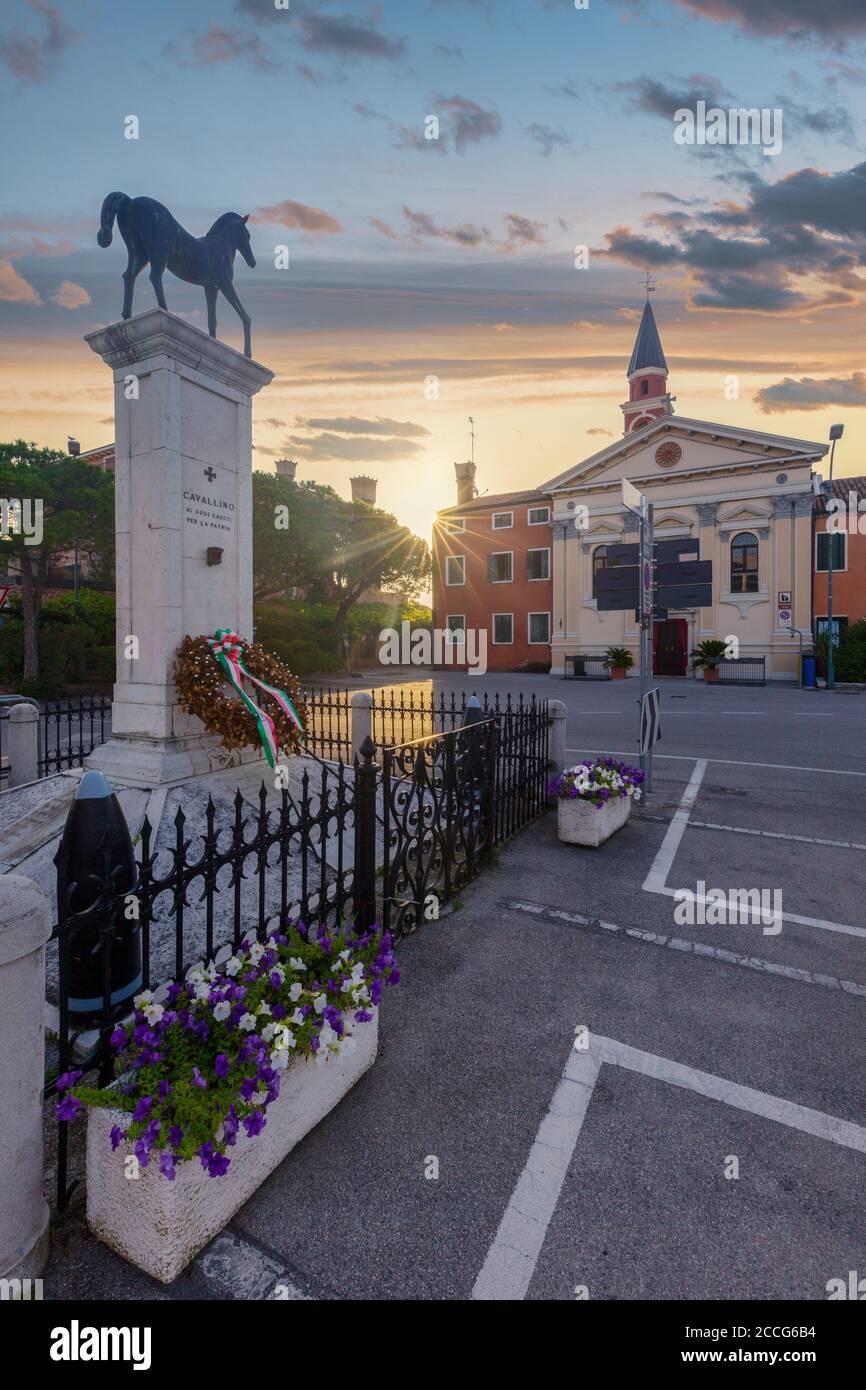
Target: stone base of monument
x=160 y=1225
x=135 y=761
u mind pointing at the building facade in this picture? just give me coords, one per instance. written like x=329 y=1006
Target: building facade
x=847 y=535
x=743 y=497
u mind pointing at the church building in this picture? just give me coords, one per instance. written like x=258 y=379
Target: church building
x=742 y=496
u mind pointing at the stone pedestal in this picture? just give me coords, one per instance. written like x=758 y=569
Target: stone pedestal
x=183 y=487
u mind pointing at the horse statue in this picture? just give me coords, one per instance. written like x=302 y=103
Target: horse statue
x=152 y=235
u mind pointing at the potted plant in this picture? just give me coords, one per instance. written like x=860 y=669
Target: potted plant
x=594 y=799
x=708 y=654
x=618 y=661
x=218 y=1077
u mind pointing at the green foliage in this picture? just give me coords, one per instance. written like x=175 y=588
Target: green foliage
x=74 y=649
x=331 y=550
x=619 y=656
x=709 y=652
x=301 y=634
x=849 y=657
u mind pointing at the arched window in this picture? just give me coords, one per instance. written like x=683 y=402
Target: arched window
x=744 y=563
x=599 y=563
x=644 y=387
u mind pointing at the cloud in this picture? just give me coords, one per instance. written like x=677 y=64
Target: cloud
x=14 y=289
x=522 y=231
x=33 y=59
x=327 y=447
x=598 y=430
x=800 y=245
x=383 y=228
x=448 y=50
x=547 y=137
x=468 y=122
x=791 y=19
x=71 y=296
x=354 y=424
x=663 y=98
x=301 y=216
x=812 y=393
x=35 y=247
x=519 y=231
x=347 y=37
x=217 y=45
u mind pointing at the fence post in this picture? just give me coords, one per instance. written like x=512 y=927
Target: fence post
x=23 y=744
x=25 y=926
x=556 y=756
x=362 y=721
x=366 y=777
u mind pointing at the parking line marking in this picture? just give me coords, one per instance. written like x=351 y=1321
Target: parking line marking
x=726 y=762
x=772 y=834
x=697 y=948
x=511 y=1259
x=661 y=865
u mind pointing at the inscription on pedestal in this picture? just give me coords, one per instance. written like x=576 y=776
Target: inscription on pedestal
x=205 y=509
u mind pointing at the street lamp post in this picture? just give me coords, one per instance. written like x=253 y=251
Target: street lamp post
x=836 y=432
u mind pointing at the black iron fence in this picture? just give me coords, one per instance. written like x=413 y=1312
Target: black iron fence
x=69 y=729
x=390 y=843
x=328 y=722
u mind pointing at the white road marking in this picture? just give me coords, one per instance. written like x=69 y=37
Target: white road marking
x=726 y=762
x=656 y=879
x=774 y=834
x=512 y=1258
x=661 y=865
x=245 y=1272
x=698 y=948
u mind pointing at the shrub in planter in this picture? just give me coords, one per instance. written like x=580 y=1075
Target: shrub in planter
x=195 y=1068
x=618 y=660
x=708 y=654
x=594 y=799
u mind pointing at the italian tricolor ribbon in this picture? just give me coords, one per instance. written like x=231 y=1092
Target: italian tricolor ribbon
x=227 y=647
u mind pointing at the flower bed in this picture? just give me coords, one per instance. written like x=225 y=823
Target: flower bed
x=200 y=1069
x=594 y=798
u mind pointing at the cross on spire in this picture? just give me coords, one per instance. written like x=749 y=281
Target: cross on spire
x=648 y=284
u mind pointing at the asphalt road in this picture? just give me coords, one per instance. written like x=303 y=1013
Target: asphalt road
x=707 y=1136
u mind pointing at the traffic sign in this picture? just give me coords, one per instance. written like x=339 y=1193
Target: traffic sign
x=686 y=572
x=620 y=577
x=684 y=596
x=650 y=720
x=632 y=499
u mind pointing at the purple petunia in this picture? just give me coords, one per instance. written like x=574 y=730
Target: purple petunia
x=142 y=1109
x=255 y=1123
x=116 y=1136
x=222 y=1065
x=68 y=1108
x=167 y=1165
x=68 y=1079
x=198 y=1079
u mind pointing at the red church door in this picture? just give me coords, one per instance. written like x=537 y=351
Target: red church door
x=670 y=640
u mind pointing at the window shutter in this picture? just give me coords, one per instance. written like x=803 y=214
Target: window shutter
x=489 y=569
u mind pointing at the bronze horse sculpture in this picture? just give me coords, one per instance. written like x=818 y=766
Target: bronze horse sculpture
x=152 y=235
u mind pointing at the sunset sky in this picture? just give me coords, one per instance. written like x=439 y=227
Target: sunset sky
x=452 y=257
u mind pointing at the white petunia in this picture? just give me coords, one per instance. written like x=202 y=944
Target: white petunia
x=295 y=992
x=202 y=991
x=142 y=1000
x=154 y=1013
x=319 y=1002
x=257 y=950
x=296 y=963
x=247 y=1022
x=297 y=1018
x=222 y=1010
x=269 y=1031
x=264 y=1008
x=234 y=965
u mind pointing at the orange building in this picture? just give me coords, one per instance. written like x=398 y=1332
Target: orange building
x=848 y=538
x=492 y=567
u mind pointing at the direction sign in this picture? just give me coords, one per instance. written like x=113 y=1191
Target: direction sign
x=666 y=552
x=650 y=720
x=686 y=572
x=684 y=596
x=620 y=577
x=615 y=600
x=617 y=555
x=632 y=499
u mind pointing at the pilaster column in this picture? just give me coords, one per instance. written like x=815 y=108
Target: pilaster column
x=708 y=551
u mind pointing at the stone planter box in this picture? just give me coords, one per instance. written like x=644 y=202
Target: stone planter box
x=160 y=1225
x=711 y=674
x=581 y=823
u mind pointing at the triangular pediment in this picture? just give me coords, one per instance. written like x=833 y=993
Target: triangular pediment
x=676 y=446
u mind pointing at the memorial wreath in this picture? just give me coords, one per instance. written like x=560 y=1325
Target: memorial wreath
x=204 y=665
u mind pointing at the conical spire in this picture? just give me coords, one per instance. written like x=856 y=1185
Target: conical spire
x=647 y=350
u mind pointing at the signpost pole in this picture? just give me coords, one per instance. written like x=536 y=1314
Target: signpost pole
x=648 y=591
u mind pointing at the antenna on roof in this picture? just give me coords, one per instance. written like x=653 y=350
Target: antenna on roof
x=472 y=438
x=648 y=284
